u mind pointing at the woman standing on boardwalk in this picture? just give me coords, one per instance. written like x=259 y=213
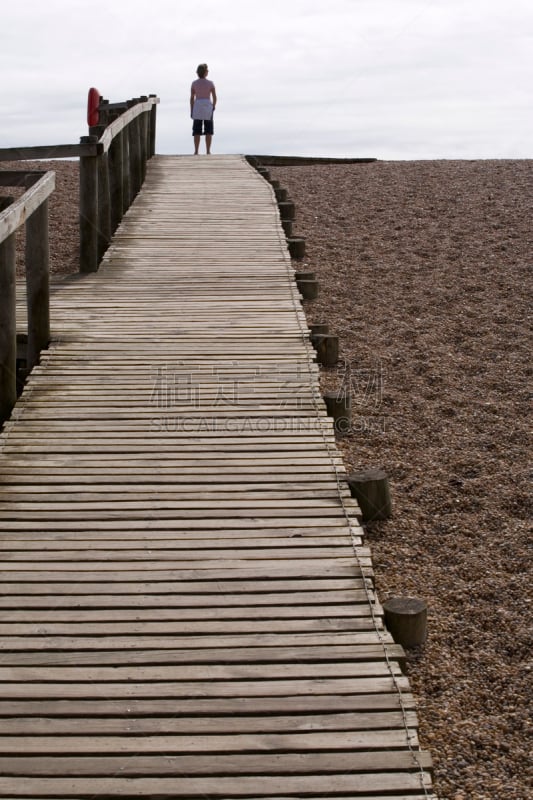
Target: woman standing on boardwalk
x=203 y=103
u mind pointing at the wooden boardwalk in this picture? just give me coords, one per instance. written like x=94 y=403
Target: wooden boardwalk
x=186 y=605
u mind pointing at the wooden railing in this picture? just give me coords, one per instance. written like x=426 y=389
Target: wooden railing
x=111 y=175
x=113 y=161
x=30 y=209
x=112 y=168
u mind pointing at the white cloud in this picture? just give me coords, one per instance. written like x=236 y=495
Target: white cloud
x=417 y=78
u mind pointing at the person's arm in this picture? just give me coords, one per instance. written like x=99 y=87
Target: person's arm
x=214 y=97
x=192 y=99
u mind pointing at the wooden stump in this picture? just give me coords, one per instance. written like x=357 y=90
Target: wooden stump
x=287 y=209
x=406 y=620
x=339 y=407
x=371 y=490
x=296 y=247
x=308 y=289
x=286 y=224
x=304 y=276
x=327 y=348
x=318 y=328
x=281 y=194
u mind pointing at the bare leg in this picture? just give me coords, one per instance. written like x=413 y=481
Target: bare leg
x=208 y=140
x=196 y=144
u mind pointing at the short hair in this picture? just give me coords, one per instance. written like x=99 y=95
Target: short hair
x=201 y=71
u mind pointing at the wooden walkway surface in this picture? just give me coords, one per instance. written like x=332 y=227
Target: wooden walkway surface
x=186 y=605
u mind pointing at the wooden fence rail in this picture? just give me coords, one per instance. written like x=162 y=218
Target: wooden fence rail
x=30 y=209
x=111 y=177
x=112 y=168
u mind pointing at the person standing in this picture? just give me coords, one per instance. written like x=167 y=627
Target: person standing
x=203 y=103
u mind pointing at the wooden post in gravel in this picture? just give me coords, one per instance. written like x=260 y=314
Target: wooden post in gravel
x=8 y=322
x=318 y=328
x=339 y=407
x=37 y=283
x=307 y=285
x=287 y=209
x=286 y=224
x=327 y=348
x=296 y=247
x=406 y=620
x=371 y=490
x=88 y=209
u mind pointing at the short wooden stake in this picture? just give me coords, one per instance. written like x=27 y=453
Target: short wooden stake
x=406 y=620
x=287 y=209
x=287 y=226
x=308 y=289
x=304 y=276
x=296 y=247
x=371 y=490
x=281 y=194
x=327 y=348
x=317 y=328
x=339 y=407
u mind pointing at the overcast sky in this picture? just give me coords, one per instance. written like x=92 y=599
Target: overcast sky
x=391 y=79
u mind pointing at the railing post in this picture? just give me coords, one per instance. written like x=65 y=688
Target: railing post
x=126 y=170
x=104 y=205
x=153 y=112
x=88 y=209
x=104 y=200
x=37 y=283
x=116 y=180
x=143 y=131
x=8 y=323
x=135 y=152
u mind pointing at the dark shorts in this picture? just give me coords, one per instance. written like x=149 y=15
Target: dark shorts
x=206 y=124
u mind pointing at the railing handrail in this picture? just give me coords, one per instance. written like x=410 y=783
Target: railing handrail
x=31 y=209
x=121 y=122
x=18 y=212
x=112 y=162
x=51 y=151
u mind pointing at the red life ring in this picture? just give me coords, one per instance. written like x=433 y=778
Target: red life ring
x=93 y=102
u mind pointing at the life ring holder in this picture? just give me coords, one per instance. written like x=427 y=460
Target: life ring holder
x=93 y=106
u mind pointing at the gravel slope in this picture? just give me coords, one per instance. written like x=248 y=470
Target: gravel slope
x=425 y=274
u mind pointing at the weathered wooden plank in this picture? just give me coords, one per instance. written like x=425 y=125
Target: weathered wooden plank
x=101 y=726
x=213 y=764
x=297 y=653
x=205 y=743
x=206 y=708
x=219 y=787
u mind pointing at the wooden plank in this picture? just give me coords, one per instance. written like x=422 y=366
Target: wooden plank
x=223 y=765
x=219 y=787
x=101 y=726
